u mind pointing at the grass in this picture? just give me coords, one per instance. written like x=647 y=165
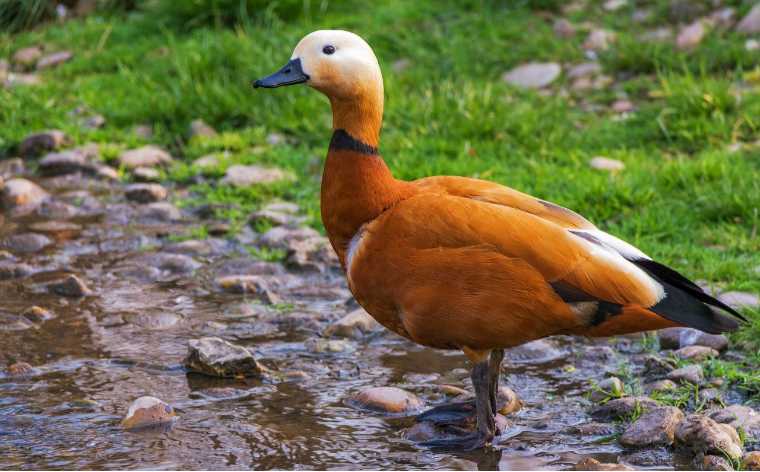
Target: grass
x=684 y=197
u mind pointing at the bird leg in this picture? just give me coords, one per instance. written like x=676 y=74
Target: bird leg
x=485 y=425
x=494 y=369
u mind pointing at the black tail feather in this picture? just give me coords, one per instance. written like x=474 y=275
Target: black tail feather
x=686 y=303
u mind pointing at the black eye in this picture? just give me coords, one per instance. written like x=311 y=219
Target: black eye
x=329 y=49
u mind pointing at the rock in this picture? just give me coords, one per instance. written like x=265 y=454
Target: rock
x=507 y=401
x=160 y=211
x=311 y=254
x=201 y=128
x=356 y=324
x=275 y=218
x=594 y=429
x=604 y=163
x=281 y=237
x=690 y=36
x=22 y=196
x=751 y=461
x=660 y=386
x=169 y=264
x=27 y=57
x=387 y=400
x=321 y=346
x=584 y=69
x=246 y=176
x=740 y=417
x=713 y=463
x=660 y=457
x=71 y=286
x=53 y=60
x=146 y=156
x=37 y=314
x=723 y=17
x=219 y=358
x=710 y=395
x=623 y=106
x=657 y=35
x=696 y=353
x=563 y=28
x=10 y=168
x=533 y=74
x=94 y=122
x=702 y=435
x=26 y=243
x=190 y=247
x=145 y=193
x=740 y=300
x=750 y=24
x=209 y=161
x=676 y=338
x=12 y=270
x=275 y=139
x=19 y=368
x=146 y=412
x=623 y=408
x=249 y=284
x=143 y=131
x=599 y=40
x=146 y=174
x=80 y=159
x=23 y=80
x=690 y=374
x=44 y=141
x=611 y=387
x=655 y=427
x=593 y=464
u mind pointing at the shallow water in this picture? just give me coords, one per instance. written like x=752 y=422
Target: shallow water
x=129 y=339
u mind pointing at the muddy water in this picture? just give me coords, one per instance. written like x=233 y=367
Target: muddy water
x=128 y=340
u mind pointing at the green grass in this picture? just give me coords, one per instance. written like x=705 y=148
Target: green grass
x=683 y=197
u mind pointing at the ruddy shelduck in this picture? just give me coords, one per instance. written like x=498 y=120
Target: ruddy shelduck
x=461 y=263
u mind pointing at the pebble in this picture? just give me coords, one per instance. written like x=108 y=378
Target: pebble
x=146 y=174
x=248 y=284
x=12 y=270
x=623 y=408
x=605 y=163
x=219 y=358
x=280 y=237
x=611 y=387
x=37 y=143
x=53 y=60
x=750 y=24
x=201 y=128
x=723 y=17
x=711 y=462
x=740 y=417
x=690 y=36
x=70 y=161
x=190 y=247
x=660 y=457
x=710 y=395
x=387 y=400
x=594 y=429
x=145 y=193
x=146 y=156
x=26 y=243
x=696 y=353
x=676 y=338
x=533 y=74
x=356 y=324
x=60 y=230
x=584 y=69
x=10 y=168
x=209 y=161
x=27 y=56
x=740 y=300
x=94 y=122
x=170 y=263
x=690 y=374
x=655 y=427
x=146 y=412
x=657 y=35
x=247 y=175
x=322 y=346
x=563 y=28
x=310 y=255
x=590 y=463
x=71 y=286
x=703 y=435
x=19 y=369
x=751 y=461
x=37 y=314
x=160 y=211
x=599 y=40
x=660 y=386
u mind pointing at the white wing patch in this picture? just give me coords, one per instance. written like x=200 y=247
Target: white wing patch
x=619 y=254
x=353 y=247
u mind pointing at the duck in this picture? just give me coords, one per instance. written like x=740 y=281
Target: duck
x=458 y=263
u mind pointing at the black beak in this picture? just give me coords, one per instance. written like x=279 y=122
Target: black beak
x=291 y=74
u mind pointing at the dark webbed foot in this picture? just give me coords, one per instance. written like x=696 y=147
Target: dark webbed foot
x=460 y=414
x=467 y=442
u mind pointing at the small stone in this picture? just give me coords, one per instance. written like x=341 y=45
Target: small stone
x=201 y=128
x=146 y=174
x=563 y=28
x=702 y=435
x=146 y=156
x=676 y=338
x=37 y=314
x=275 y=218
x=26 y=243
x=321 y=346
x=94 y=122
x=723 y=18
x=387 y=400
x=10 y=168
x=209 y=161
x=593 y=464
x=246 y=176
x=710 y=395
x=660 y=457
x=145 y=193
x=611 y=387
x=53 y=60
x=584 y=69
x=599 y=40
x=19 y=368
x=191 y=247
x=623 y=106
x=614 y=5
x=655 y=427
x=738 y=300
x=71 y=286
x=751 y=461
x=594 y=429
x=146 y=412
x=249 y=284
x=712 y=462
x=660 y=386
x=740 y=417
x=623 y=408
x=696 y=353
x=44 y=141
x=690 y=374
x=282 y=237
x=218 y=228
x=356 y=324
x=160 y=211
x=604 y=163
x=219 y=358
x=750 y=24
x=533 y=74
x=28 y=56
x=80 y=159
x=690 y=36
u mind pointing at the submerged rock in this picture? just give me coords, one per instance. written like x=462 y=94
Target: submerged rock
x=703 y=435
x=249 y=284
x=386 y=400
x=28 y=56
x=60 y=230
x=71 y=286
x=44 y=141
x=219 y=358
x=533 y=74
x=660 y=386
x=356 y=324
x=655 y=427
x=690 y=36
x=321 y=346
x=623 y=408
x=147 y=412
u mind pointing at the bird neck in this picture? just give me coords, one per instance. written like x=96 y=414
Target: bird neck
x=357 y=185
